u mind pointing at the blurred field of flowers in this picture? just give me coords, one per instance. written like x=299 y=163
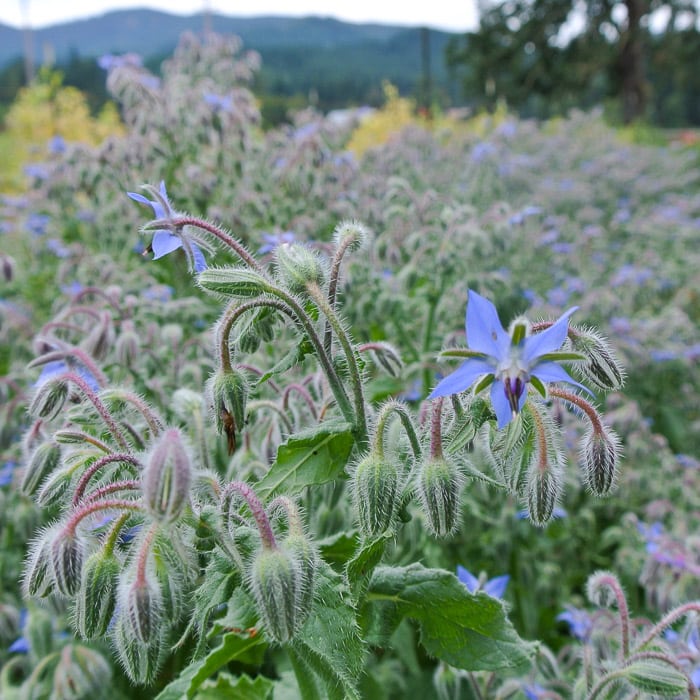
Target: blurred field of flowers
x=538 y=217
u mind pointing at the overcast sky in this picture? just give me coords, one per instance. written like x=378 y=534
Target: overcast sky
x=452 y=15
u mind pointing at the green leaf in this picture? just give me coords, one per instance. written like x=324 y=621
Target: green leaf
x=310 y=457
x=329 y=643
x=338 y=549
x=233 y=646
x=242 y=687
x=361 y=566
x=294 y=357
x=471 y=632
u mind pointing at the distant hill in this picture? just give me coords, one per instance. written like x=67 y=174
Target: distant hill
x=339 y=60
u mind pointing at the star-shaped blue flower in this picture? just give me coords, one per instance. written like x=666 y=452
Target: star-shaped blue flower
x=495 y=587
x=508 y=362
x=165 y=241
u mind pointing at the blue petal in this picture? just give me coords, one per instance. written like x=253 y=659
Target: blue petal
x=501 y=405
x=548 y=340
x=496 y=587
x=139 y=198
x=484 y=330
x=200 y=263
x=164 y=242
x=21 y=646
x=468 y=579
x=462 y=378
x=552 y=372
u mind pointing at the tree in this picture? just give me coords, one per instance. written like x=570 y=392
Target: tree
x=545 y=55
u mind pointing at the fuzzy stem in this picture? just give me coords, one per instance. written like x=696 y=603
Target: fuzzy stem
x=385 y=412
x=226 y=238
x=94 y=507
x=112 y=537
x=541 y=437
x=581 y=403
x=99 y=407
x=436 y=430
x=83 y=437
x=154 y=422
x=287 y=305
x=263 y=403
x=333 y=286
x=94 y=468
x=124 y=485
x=256 y=508
x=304 y=393
x=294 y=522
x=144 y=551
x=667 y=620
x=614 y=585
x=605 y=680
x=355 y=377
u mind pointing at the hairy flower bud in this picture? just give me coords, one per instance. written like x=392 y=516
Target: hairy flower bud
x=128 y=344
x=100 y=339
x=376 y=492
x=141 y=606
x=37 y=578
x=543 y=490
x=439 y=488
x=239 y=282
x=352 y=234
x=657 y=679
x=297 y=266
x=140 y=661
x=601 y=368
x=42 y=462
x=67 y=555
x=227 y=393
x=599 y=455
x=305 y=557
x=276 y=583
x=80 y=673
x=167 y=477
x=49 y=398
x=96 y=600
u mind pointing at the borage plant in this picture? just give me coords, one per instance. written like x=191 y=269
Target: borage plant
x=275 y=555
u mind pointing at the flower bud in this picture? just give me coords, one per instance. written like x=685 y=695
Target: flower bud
x=297 y=266
x=96 y=600
x=49 y=398
x=239 y=282
x=54 y=487
x=602 y=368
x=387 y=357
x=228 y=394
x=37 y=578
x=167 y=477
x=41 y=464
x=80 y=673
x=543 y=490
x=599 y=455
x=7 y=267
x=67 y=555
x=128 y=345
x=376 y=484
x=656 y=679
x=141 y=605
x=277 y=588
x=100 y=339
x=303 y=554
x=439 y=488
x=352 y=234
x=140 y=661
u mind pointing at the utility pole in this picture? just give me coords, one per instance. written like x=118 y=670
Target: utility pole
x=28 y=41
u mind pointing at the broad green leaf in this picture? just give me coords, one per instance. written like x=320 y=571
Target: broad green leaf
x=233 y=646
x=329 y=643
x=308 y=458
x=294 y=357
x=338 y=549
x=242 y=687
x=471 y=632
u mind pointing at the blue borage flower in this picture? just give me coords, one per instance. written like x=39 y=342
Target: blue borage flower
x=495 y=587
x=164 y=240
x=580 y=622
x=507 y=362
